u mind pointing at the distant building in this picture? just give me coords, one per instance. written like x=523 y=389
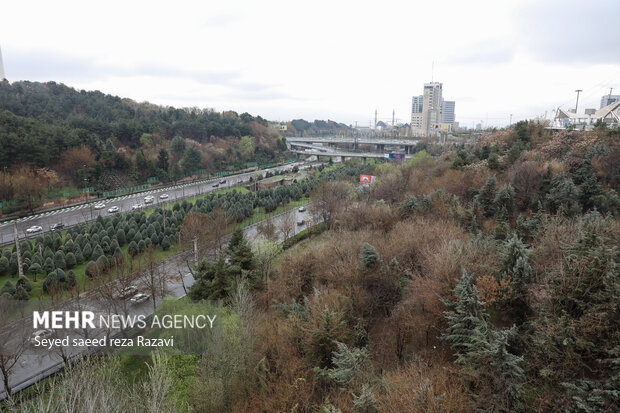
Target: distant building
x=608 y=100
x=430 y=114
x=432 y=107
x=447 y=111
x=417 y=103
x=478 y=126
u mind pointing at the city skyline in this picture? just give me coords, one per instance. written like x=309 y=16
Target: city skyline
x=281 y=62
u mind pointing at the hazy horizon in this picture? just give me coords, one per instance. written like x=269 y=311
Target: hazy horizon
x=338 y=61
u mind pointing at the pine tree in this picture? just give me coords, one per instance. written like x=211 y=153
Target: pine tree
x=365 y=402
x=368 y=257
x=468 y=327
x=486 y=196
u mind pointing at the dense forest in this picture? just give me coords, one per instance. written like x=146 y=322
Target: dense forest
x=483 y=278
x=56 y=138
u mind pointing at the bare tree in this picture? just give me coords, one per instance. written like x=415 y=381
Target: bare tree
x=267 y=228
x=220 y=221
x=153 y=279
x=286 y=224
x=330 y=198
x=13 y=341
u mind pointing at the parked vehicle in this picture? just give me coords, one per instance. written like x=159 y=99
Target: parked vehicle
x=33 y=229
x=302 y=209
x=301 y=222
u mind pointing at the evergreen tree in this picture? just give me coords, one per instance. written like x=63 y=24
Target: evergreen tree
x=24 y=283
x=468 y=327
x=368 y=258
x=486 y=196
x=59 y=260
x=505 y=199
x=240 y=251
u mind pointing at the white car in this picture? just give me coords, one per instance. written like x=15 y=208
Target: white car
x=100 y=205
x=302 y=209
x=34 y=229
x=163 y=196
x=40 y=334
x=139 y=298
x=148 y=199
x=113 y=209
x=301 y=222
x=137 y=206
x=127 y=292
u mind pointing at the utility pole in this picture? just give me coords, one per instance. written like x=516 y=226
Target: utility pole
x=510 y=120
x=577 y=102
x=393 y=113
x=375 y=119
x=19 y=255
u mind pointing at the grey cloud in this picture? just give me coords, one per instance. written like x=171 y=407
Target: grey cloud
x=44 y=66
x=571 y=31
x=491 y=52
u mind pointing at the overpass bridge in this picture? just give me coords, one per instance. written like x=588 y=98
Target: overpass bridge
x=332 y=141
x=342 y=154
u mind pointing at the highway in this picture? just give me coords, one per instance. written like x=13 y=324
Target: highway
x=37 y=363
x=351 y=139
x=82 y=213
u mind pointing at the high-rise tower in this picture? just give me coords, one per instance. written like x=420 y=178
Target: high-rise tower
x=431 y=107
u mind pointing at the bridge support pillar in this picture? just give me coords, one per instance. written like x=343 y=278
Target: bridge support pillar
x=342 y=159
x=407 y=149
x=380 y=147
x=363 y=160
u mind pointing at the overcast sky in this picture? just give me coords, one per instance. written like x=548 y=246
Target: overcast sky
x=323 y=59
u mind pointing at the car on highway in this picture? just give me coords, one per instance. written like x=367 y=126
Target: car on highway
x=223 y=181
x=302 y=209
x=33 y=229
x=57 y=226
x=163 y=196
x=148 y=199
x=136 y=206
x=139 y=298
x=99 y=205
x=126 y=292
x=40 y=334
x=301 y=222
x=216 y=185
x=113 y=209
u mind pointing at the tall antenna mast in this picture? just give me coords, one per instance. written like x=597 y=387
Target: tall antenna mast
x=432 y=71
x=375 y=118
x=393 y=113
x=610 y=89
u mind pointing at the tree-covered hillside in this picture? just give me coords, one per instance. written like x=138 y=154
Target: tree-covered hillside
x=58 y=139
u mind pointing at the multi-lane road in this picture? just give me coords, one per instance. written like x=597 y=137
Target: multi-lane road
x=37 y=363
x=82 y=213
